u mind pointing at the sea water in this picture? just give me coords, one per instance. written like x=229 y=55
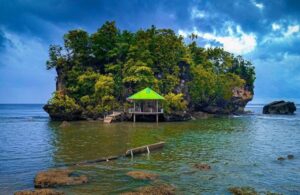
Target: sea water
x=241 y=150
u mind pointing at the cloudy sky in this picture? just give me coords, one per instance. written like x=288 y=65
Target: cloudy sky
x=267 y=32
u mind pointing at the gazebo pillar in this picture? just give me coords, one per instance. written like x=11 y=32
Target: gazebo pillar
x=156 y=111
x=134 y=111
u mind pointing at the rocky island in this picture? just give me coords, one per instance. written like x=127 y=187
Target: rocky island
x=97 y=72
x=279 y=107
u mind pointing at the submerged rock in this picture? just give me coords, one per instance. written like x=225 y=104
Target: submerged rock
x=290 y=156
x=249 y=191
x=242 y=191
x=142 y=175
x=58 y=177
x=272 y=193
x=279 y=107
x=162 y=189
x=201 y=115
x=280 y=158
x=202 y=167
x=39 y=192
x=64 y=124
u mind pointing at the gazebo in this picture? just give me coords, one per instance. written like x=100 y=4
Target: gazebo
x=146 y=102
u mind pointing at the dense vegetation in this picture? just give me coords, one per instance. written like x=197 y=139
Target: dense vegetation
x=96 y=72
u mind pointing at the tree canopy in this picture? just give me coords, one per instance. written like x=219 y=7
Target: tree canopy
x=98 y=71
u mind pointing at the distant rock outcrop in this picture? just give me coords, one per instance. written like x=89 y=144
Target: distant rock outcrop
x=279 y=107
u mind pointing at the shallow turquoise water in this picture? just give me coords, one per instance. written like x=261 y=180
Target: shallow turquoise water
x=242 y=151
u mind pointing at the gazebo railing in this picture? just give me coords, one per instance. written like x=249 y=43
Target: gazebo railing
x=147 y=111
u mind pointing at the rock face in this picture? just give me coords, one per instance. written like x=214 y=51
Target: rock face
x=58 y=177
x=177 y=116
x=279 y=107
x=142 y=175
x=39 y=192
x=59 y=115
x=235 y=105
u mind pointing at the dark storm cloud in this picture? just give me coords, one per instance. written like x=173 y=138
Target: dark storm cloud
x=34 y=17
x=28 y=27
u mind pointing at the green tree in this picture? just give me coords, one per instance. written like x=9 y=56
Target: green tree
x=77 y=45
x=203 y=87
x=174 y=102
x=104 y=89
x=103 y=41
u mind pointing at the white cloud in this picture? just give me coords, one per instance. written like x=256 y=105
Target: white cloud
x=291 y=30
x=22 y=69
x=234 y=39
x=183 y=33
x=258 y=5
x=283 y=32
x=275 y=26
x=197 y=13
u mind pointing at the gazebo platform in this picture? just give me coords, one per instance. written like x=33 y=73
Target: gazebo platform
x=132 y=111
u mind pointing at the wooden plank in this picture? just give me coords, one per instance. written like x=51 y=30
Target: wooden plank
x=135 y=151
x=110 y=118
x=143 y=149
x=105 y=159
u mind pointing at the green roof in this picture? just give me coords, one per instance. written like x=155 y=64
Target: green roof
x=146 y=94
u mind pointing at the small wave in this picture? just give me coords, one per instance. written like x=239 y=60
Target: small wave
x=24 y=117
x=291 y=118
x=241 y=116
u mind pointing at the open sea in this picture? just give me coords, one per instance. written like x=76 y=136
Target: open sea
x=241 y=150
